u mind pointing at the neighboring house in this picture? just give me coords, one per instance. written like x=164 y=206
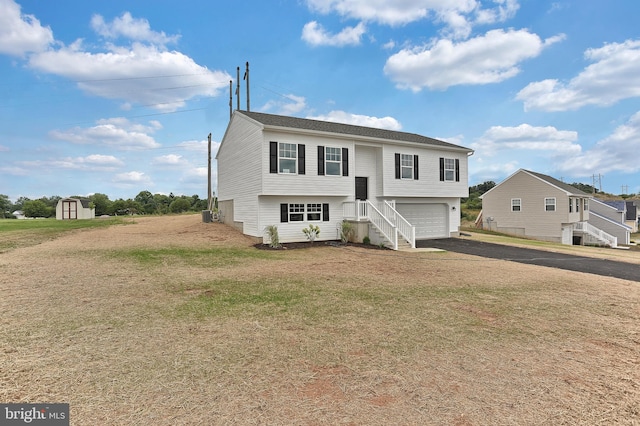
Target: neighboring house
x=75 y=208
x=19 y=214
x=290 y=172
x=538 y=206
x=610 y=217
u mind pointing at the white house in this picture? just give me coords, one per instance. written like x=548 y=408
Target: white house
x=291 y=172
x=75 y=208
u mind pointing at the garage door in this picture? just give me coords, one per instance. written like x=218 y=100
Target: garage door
x=430 y=220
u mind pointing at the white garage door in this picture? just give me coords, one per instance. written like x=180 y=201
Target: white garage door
x=430 y=220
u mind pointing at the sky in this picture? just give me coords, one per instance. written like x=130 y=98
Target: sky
x=118 y=97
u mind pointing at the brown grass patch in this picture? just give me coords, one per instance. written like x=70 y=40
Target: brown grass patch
x=153 y=323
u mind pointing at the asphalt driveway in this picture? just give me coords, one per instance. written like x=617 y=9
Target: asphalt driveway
x=608 y=268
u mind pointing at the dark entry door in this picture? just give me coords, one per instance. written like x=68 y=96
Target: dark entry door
x=361 y=188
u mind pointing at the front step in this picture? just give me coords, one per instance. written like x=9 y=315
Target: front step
x=402 y=243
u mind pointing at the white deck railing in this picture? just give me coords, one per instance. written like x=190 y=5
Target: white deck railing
x=596 y=233
x=384 y=217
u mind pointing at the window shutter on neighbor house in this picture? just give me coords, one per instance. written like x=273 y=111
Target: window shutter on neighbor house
x=415 y=167
x=284 y=212
x=320 y=160
x=457 y=170
x=441 y=169
x=397 y=165
x=325 y=212
x=273 y=157
x=301 y=165
x=345 y=162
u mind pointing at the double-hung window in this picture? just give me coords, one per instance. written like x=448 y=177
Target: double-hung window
x=571 y=204
x=286 y=158
x=333 y=161
x=449 y=170
x=406 y=166
x=296 y=212
x=516 y=204
x=299 y=212
x=550 y=204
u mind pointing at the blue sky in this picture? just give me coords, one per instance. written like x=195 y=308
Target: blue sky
x=118 y=97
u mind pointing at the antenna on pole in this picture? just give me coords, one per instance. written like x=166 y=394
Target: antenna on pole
x=246 y=77
x=238 y=87
x=230 y=99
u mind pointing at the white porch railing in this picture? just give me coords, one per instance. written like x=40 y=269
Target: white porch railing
x=596 y=233
x=384 y=217
x=405 y=229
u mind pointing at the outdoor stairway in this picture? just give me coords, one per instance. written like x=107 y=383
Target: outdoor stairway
x=387 y=224
x=593 y=235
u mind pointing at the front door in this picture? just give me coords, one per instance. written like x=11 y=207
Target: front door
x=361 y=188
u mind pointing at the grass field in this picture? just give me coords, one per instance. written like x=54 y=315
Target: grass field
x=170 y=321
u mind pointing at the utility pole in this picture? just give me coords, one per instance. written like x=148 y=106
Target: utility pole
x=238 y=87
x=246 y=77
x=624 y=188
x=209 y=193
x=230 y=99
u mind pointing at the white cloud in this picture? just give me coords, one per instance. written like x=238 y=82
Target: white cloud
x=548 y=140
x=21 y=34
x=617 y=152
x=117 y=133
x=388 y=123
x=4 y=148
x=130 y=28
x=199 y=146
x=169 y=160
x=133 y=178
x=140 y=74
x=458 y=15
x=294 y=106
x=315 y=34
x=613 y=76
x=490 y=58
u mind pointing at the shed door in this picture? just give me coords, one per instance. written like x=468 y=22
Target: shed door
x=430 y=220
x=69 y=210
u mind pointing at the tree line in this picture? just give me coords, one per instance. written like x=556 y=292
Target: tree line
x=143 y=203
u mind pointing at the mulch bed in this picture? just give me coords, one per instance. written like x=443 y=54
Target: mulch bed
x=306 y=245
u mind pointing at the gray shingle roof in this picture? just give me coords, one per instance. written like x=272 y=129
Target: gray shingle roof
x=345 y=129
x=564 y=186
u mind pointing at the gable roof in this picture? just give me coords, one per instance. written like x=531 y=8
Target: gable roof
x=568 y=189
x=571 y=190
x=282 y=121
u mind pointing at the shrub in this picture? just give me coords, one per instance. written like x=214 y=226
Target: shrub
x=346 y=231
x=311 y=232
x=366 y=240
x=274 y=238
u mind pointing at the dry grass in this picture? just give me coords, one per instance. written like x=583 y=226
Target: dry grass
x=170 y=321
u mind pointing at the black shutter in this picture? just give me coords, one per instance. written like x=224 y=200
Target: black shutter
x=397 y=166
x=301 y=168
x=320 y=160
x=284 y=212
x=415 y=167
x=345 y=162
x=325 y=212
x=441 y=169
x=273 y=157
x=457 y=170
